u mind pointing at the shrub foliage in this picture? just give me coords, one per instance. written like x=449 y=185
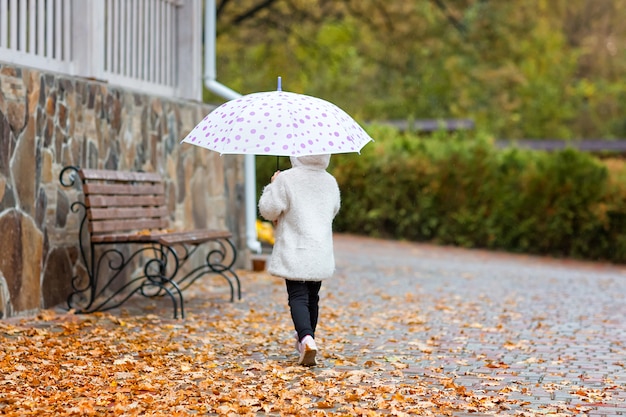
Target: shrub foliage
x=461 y=190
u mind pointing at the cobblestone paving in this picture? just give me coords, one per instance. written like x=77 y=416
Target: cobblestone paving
x=548 y=333
x=540 y=336
x=498 y=334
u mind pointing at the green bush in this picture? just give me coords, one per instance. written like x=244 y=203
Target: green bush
x=460 y=189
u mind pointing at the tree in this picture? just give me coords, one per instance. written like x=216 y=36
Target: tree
x=528 y=69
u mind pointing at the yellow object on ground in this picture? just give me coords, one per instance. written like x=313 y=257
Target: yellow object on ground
x=265 y=231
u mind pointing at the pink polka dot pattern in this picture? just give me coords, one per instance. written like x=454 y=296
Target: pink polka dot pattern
x=278 y=123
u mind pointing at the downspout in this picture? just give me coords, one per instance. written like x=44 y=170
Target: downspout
x=210 y=81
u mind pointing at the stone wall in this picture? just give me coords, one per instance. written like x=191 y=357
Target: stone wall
x=48 y=121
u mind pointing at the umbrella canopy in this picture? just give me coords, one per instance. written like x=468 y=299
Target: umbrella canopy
x=278 y=123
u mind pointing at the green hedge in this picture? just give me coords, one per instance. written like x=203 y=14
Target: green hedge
x=460 y=189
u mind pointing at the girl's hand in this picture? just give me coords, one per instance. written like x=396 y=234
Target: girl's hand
x=274 y=176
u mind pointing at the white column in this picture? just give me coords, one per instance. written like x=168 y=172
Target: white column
x=188 y=56
x=88 y=23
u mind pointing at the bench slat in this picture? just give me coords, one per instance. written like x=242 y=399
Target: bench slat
x=193 y=236
x=125 y=237
x=126 y=213
x=101 y=226
x=164 y=237
x=124 y=176
x=124 y=201
x=123 y=189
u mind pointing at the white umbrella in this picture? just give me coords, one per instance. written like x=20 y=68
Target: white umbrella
x=278 y=123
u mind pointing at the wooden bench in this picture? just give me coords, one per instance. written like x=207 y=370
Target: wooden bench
x=128 y=248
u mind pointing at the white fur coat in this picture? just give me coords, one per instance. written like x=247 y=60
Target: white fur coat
x=304 y=201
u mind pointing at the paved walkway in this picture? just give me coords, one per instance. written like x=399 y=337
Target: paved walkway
x=533 y=335
x=548 y=333
x=437 y=331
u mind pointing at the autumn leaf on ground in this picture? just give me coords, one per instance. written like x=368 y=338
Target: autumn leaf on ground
x=418 y=342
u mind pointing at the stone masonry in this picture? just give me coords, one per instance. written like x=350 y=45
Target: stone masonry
x=48 y=121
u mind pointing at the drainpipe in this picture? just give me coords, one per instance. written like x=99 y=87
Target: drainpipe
x=210 y=81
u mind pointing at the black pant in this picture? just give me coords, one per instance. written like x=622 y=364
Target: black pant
x=304 y=304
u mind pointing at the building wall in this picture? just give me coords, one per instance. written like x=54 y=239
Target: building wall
x=49 y=121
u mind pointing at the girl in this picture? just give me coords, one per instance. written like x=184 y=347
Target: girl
x=302 y=202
